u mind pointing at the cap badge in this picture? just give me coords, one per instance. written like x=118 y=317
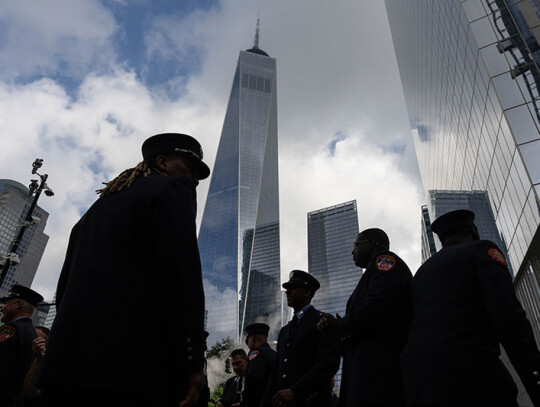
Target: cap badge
x=291 y=274
x=253 y=354
x=385 y=262
x=496 y=255
x=6 y=332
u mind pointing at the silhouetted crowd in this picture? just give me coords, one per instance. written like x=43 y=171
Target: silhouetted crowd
x=130 y=315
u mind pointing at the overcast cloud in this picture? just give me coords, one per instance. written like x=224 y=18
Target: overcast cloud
x=77 y=90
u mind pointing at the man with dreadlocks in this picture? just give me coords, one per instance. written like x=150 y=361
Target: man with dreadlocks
x=132 y=268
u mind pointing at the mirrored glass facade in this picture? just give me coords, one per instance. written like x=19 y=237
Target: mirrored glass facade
x=428 y=241
x=14 y=206
x=239 y=235
x=469 y=71
x=331 y=234
x=442 y=202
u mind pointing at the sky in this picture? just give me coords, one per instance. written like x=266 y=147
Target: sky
x=83 y=84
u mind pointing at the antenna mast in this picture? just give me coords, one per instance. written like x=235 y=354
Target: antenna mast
x=256 y=45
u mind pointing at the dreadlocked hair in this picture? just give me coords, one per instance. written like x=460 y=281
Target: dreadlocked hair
x=126 y=178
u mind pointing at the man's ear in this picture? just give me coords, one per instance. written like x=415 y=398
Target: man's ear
x=161 y=162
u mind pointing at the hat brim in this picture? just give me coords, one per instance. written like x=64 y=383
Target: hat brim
x=4 y=299
x=203 y=171
x=293 y=284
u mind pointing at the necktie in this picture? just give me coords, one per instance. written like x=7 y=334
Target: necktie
x=239 y=389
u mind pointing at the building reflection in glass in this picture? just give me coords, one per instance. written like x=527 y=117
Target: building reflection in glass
x=469 y=71
x=331 y=233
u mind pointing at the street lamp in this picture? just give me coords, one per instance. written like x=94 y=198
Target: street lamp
x=35 y=189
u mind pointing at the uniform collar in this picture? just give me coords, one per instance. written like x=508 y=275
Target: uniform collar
x=19 y=318
x=301 y=313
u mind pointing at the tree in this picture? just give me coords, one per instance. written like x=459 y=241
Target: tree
x=224 y=346
x=219 y=367
x=216 y=395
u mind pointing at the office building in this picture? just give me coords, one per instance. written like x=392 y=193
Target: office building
x=441 y=202
x=469 y=71
x=331 y=234
x=14 y=205
x=428 y=241
x=239 y=235
x=39 y=318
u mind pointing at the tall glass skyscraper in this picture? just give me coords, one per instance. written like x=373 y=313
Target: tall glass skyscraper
x=239 y=235
x=442 y=202
x=14 y=205
x=469 y=71
x=428 y=241
x=331 y=234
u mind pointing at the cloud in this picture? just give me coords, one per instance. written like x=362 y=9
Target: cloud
x=41 y=38
x=336 y=76
x=84 y=142
x=386 y=196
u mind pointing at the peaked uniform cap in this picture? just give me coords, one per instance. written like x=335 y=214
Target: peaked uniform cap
x=257 y=328
x=176 y=144
x=23 y=293
x=450 y=221
x=299 y=277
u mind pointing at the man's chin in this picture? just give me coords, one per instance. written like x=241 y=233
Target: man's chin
x=361 y=265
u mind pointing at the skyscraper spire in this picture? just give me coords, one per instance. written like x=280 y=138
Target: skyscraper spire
x=256 y=45
x=256 y=49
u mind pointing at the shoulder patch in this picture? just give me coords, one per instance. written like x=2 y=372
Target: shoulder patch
x=253 y=354
x=385 y=262
x=6 y=332
x=496 y=255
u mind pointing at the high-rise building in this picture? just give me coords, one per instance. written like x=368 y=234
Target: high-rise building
x=428 y=242
x=14 y=205
x=39 y=318
x=331 y=234
x=442 y=202
x=51 y=314
x=469 y=71
x=239 y=235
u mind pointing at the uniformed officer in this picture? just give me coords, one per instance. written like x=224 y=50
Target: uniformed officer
x=16 y=337
x=307 y=360
x=234 y=386
x=261 y=363
x=374 y=330
x=130 y=300
x=464 y=305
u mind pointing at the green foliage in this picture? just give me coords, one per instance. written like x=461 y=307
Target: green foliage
x=221 y=349
x=216 y=395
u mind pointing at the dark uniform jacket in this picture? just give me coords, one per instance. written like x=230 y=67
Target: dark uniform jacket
x=307 y=361
x=16 y=356
x=373 y=333
x=232 y=392
x=130 y=296
x=464 y=305
x=261 y=363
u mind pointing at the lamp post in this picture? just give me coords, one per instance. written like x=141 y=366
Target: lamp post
x=35 y=187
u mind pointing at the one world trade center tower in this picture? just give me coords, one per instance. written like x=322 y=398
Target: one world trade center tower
x=239 y=235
